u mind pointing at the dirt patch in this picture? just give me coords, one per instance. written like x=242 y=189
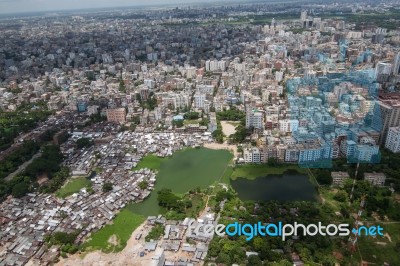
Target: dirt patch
x=113 y=240
x=388 y=237
x=228 y=128
x=337 y=255
x=397 y=197
x=222 y=146
x=128 y=256
x=42 y=179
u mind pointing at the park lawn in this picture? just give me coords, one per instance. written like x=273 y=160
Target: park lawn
x=98 y=170
x=198 y=204
x=150 y=161
x=252 y=171
x=378 y=253
x=327 y=194
x=212 y=202
x=191 y=121
x=122 y=227
x=74 y=185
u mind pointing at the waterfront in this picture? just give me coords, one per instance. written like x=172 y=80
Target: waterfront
x=286 y=187
x=183 y=171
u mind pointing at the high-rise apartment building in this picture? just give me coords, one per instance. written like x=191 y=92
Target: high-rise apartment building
x=396 y=65
x=386 y=114
x=303 y=16
x=254 y=118
x=393 y=139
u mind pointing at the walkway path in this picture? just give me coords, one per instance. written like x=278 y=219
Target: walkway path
x=23 y=166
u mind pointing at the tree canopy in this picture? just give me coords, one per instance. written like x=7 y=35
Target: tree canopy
x=232 y=114
x=84 y=142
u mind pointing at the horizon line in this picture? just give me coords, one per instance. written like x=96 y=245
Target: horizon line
x=142 y=5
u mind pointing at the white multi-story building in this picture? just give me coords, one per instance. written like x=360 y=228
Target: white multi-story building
x=279 y=76
x=190 y=72
x=215 y=65
x=376 y=179
x=347 y=147
x=176 y=100
x=240 y=67
x=396 y=64
x=288 y=125
x=222 y=65
x=382 y=68
x=251 y=155
x=292 y=154
x=254 y=119
x=359 y=152
x=365 y=153
x=310 y=153
x=92 y=110
x=255 y=155
x=199 y=99
x=212 y=126
x=205 y=89
x=354 y=35
x=393 y=139
x=149 y=83
x=367 y=106
x=303 y=16
x=339 y=177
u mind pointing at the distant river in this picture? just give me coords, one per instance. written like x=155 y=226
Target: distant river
x=286 y=187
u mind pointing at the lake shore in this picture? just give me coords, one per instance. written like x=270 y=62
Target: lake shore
x=222 y=146
x=177 y=173
x=128 y=256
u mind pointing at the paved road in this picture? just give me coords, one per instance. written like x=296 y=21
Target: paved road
x=23 y=166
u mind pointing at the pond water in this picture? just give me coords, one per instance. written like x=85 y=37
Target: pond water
x=185 y=170
x=285 y=187
x=92 y=174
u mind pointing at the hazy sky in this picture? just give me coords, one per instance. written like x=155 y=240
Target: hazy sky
x=17 y=6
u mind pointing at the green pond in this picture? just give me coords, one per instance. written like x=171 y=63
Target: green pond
x=286 y=187
x=183 y=171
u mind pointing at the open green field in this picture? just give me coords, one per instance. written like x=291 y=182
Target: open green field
x=74 y=185
x=151 y=161
x=191 y=121
x=252 y=171
x=328 y=198
x=380 y=249
x=183 y=171
x=198 y=204
x=113 y=237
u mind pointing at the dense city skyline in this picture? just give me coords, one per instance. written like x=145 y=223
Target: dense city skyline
x=21 y=6
x=135 y=130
